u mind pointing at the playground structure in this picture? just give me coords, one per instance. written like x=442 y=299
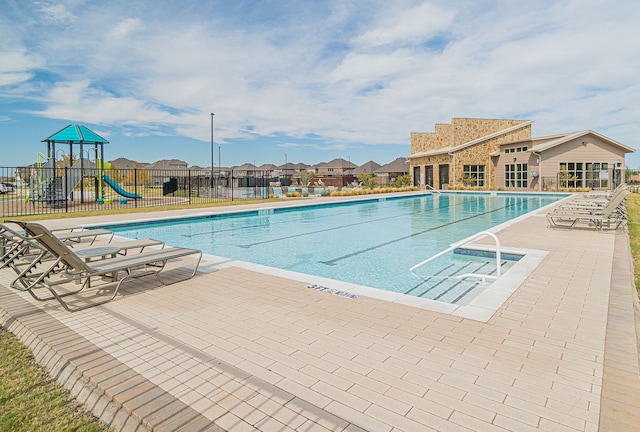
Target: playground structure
x=54 y=185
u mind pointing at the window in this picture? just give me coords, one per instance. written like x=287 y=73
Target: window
x=516 y=149
x=571 y=174
x=597 y=175
x=516 y=176
x=473 y=175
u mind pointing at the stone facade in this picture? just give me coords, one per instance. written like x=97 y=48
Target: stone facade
x=452 y=146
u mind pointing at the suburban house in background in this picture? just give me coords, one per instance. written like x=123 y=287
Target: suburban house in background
x=502 y=154
x=390 y=172
x=366 y=168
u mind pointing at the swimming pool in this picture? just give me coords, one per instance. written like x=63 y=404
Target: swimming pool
x=368 y=242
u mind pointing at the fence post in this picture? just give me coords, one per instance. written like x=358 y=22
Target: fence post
x=66 y=189
x=135 y=186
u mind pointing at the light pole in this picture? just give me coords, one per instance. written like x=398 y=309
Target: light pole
x=285 y=168
x=212 y=115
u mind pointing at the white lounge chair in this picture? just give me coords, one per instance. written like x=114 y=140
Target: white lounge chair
x=612 y=215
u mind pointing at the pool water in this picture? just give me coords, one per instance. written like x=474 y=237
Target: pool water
x=371 y=243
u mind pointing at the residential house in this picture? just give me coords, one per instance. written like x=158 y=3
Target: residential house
x=366 y=168
x=390 y=172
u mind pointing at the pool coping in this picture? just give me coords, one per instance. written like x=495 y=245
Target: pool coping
x=480 y=305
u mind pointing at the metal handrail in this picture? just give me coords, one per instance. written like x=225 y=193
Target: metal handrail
x=426 y=186
x=464 y=242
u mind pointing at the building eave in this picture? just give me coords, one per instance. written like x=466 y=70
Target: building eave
x=568 y=137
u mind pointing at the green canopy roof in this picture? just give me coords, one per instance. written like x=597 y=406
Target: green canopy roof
x=75 y=134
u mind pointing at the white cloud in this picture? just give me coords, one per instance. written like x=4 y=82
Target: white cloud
x=126 y=28
x=343 y=73
x=407 y=26
x=56 y=13
x=17 y=66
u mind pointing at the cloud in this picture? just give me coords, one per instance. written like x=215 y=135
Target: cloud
x=80 y=101
x=18 y=66
x=346 y=74
x=56 y=13
x=126 y=28
x=406 y=26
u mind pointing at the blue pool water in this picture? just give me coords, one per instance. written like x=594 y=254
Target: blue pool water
x=371 y=243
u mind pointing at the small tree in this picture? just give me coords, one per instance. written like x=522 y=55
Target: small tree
x=307 y=177
x=402 y=181
x=368 y=181
x=565 y=178
x=142 y=176
x=468 y=180
x=115 y=173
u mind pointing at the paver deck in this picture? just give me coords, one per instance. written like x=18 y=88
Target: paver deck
x=234 y=349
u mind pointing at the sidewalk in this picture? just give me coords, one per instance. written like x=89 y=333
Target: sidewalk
x=233 y=349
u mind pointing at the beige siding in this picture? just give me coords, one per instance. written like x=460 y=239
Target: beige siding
x=594 y=150
x=517 y=158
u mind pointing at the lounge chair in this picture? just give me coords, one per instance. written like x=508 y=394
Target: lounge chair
x=15 y=247
x=604 y=194
x=67 y=268
x=596 y=200
x=75 y=234
x=617 y=202
x=613 y=215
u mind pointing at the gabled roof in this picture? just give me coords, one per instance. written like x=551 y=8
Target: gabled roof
x=451 y=149
x=289 y=166
x=122 y=162
x=337 y=163
x=562 y=139
x=366 y=168
x=541 y=144
x=168 y=164
x=75 y=135
x=399 y=165
x=245 y=167
x=267 y=167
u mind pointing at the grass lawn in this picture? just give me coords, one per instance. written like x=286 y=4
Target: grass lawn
x=33 y=401
x=633 y=212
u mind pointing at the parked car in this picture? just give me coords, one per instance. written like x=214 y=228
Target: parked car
x=9 y=186
x=3 y=188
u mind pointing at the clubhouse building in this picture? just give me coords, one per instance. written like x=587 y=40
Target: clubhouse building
x=502 y=155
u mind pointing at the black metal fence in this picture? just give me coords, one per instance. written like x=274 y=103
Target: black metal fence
x=27 y=190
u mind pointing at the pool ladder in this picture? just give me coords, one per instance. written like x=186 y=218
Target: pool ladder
x=429 y=187
x=462 y=243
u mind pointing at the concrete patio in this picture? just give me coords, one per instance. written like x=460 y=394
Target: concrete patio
x=242 y=350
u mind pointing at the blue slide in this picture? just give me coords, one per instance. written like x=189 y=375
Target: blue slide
x=116 y=187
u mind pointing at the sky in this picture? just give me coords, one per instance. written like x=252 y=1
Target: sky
x=309 y=80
